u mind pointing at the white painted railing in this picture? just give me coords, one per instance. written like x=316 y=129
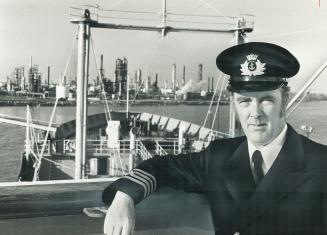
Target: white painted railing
x=142 y=150
x=159 y=149
x=103 y=147
x=169 y=146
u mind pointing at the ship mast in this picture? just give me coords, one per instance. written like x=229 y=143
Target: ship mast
x=85 y=23
x=81 y=93
x=235 y=128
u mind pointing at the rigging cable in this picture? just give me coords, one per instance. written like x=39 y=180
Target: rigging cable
x=212 y=99
x=37 y=168
x=218 y=102
x=215 y=9
x=190 y=13
x=107 y=106
x=116 y=3
x=294 y=107
x=290 y=33
x=215 y=92
x=137 y=92
x=102 y=85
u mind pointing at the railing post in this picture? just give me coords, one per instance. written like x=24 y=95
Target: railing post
x=131 y=149
x=174 y=148
x=180 y=139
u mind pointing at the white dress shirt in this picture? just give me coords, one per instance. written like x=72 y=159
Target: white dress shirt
x=269 y=152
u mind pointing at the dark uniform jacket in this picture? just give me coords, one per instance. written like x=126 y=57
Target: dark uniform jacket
x=291 y=198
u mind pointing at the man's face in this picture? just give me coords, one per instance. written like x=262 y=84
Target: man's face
x=260 y=115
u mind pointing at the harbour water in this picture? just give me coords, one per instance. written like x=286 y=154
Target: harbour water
x=12 y=137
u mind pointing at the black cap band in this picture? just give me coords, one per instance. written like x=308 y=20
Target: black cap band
x=255 y=86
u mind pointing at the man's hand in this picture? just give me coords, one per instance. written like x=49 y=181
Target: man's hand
x=120 y=217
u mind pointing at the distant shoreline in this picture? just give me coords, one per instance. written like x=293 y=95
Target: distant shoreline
x=51 y=102
x=23 y=101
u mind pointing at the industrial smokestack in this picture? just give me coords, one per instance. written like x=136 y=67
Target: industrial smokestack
x=174 y=78
x=48 y=76
x=30 y=76
x=101 y=71
x=165 y=87
x=212 y=84
x=200 y=72
x=208 y=84
x=139 y=78
x=156 y=78
x=135 y=80
x=148 y=83
x=183 y=79
x=101 y=66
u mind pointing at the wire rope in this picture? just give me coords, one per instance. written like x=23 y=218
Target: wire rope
x=102 y=85
x=212 y=99
x=218 y=102
x=37 y=168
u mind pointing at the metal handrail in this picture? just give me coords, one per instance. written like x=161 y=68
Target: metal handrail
x=160 y=150
x=162 y=147
x=169 y=146
x=140 y=148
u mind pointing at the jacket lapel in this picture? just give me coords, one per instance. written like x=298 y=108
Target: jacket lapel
x=286 y=174
x=238 y=175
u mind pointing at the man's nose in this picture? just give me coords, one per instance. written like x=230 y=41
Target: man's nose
x=256 y=109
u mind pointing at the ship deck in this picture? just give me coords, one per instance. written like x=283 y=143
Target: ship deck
x=57 y=209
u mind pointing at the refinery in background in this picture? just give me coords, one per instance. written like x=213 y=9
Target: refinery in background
x=29 y=82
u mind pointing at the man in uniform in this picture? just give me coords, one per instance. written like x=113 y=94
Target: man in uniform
x=271 y=181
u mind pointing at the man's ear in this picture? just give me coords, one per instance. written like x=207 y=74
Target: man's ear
x=285 y=99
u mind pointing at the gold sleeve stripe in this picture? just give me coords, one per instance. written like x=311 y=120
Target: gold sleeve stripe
x=150 y=176
x=144 y=180
x=147 y=179
x=138 y=182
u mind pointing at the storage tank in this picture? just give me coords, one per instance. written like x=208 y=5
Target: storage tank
x=62 y=91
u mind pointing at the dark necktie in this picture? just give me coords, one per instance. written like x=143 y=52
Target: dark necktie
x=257 y=169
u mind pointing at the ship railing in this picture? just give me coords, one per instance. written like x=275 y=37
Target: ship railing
x=168 y=146
x=159 y=149
x=106 y=147
x=142 y=150
x=98 y=146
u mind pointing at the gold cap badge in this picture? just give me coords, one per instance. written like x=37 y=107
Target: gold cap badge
x=252 y=66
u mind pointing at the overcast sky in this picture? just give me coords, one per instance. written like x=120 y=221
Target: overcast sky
x=41 y=29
